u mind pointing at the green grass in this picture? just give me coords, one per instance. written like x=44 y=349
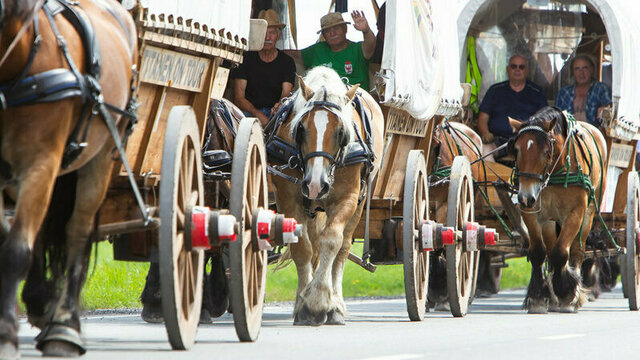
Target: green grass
x=117 y=285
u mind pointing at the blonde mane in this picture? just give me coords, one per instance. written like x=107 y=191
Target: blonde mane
x=326 y=86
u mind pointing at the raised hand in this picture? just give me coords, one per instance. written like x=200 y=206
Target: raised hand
x=359 y=21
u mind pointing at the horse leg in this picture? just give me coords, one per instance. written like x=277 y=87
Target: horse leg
x=339 y=310
x=37 y=290
x=16 y=248
x=302 y=254
x=538 y=294
x=437 y=294
x=565 y=270
x=62 y=335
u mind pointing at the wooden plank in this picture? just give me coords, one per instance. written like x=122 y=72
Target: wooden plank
x=151 y=103
x=202 y=99
x=153 y=154
x=401 y=123
x=174 y=69
x=394 y=162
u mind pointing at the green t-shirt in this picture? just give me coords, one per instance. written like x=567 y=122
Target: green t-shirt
x=349 y=63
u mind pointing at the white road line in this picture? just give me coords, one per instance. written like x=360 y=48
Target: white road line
x=562 y=337
x=396 y=357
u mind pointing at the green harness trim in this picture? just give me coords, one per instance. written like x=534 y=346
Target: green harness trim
x=445 y=172
x=566 y=178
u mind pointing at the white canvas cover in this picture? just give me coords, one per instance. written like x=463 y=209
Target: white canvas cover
x=231 y=15
x=421 y=57
x=623 y=31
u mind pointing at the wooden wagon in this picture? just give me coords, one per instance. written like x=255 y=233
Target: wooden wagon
x=167 y=219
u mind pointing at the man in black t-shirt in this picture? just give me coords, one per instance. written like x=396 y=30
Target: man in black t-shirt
x=517 y=98
x=266 y=76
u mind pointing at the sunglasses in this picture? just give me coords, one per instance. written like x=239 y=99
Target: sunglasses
x=515 y=66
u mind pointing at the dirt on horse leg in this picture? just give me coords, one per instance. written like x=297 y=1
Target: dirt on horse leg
x=16 y=248
x=565 y=280
x=538 y=293
x=302 y=253
x=90 y=190
x=316 y=298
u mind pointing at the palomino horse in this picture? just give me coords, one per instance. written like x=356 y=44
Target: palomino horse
x=450 y=139
x=324 y=126
x=561 y=174
x=45 y=119
x=217 y=150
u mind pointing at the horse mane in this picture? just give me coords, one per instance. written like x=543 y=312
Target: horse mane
x=20 y=8
x=327 y=86
x=545 y=114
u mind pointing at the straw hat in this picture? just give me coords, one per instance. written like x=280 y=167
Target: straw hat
x=330 y=20
x=272 y=18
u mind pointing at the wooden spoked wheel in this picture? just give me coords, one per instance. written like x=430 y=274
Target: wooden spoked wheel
x=415 y=210
x=181 y=187
x=462 y=266
x=632 y=257
x=248 y=265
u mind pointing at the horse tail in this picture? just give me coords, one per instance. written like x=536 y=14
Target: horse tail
x=284 y=260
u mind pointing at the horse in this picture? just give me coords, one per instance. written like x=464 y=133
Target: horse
x=329 y=197
x=450 y=139
x=217 y=150
x=551 y=148
x=57 y=154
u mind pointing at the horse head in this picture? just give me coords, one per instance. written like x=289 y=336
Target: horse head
x=322 y=128
x=534 y=150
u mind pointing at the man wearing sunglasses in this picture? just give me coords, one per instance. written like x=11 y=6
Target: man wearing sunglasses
x=516 y=98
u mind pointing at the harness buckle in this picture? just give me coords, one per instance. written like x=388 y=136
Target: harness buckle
x=293 y=162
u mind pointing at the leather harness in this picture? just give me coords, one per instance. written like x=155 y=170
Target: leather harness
x=58 y=84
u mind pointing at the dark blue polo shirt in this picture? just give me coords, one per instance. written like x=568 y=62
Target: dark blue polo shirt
x=501 y=101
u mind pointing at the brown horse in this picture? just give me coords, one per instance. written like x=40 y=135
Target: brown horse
x=324 y=126
x=547 y=147
x=40 y=120
x=451 y=139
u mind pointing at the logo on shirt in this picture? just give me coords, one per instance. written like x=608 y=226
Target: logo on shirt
x=348 y=67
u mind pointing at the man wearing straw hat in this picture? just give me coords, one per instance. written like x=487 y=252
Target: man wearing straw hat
x=265 y=76
x=349 y=59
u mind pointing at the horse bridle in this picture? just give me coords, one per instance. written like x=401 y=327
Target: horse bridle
x=550 y=141
x=302 y=160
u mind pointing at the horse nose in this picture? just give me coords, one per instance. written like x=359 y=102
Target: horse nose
x=526 y=200
x=315 y=189
x=305 y=187
x=324 y=188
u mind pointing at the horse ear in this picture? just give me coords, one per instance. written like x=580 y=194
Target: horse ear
x=306 y=91
x=352 y=92
x=551 y=124
x=438 y=120
x=515 y=124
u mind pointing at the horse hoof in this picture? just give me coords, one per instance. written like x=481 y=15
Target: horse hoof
x=8 y=351
x=152 y=314
x=219 y=307
x=60 y=341
x=567 y=309
x=60 y=349
x=539 y=309
x=442 y=306
x=205 y=317
x=305 y=317
x=335 y=318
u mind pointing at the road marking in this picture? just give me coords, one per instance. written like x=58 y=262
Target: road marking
x=562 y=337
x=396 y=357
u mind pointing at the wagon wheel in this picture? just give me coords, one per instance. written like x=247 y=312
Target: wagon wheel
x=462 y=266
x=181 y=187
x=248 y=266
x=632 y=258
x=415 y=210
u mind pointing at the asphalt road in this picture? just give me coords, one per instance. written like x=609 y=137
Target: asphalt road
x=495 y=328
